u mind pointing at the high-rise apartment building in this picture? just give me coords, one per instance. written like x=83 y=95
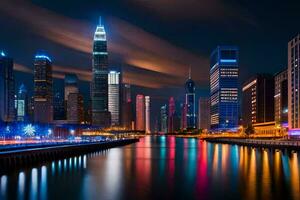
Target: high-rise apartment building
x=258 y=100
x=204 y=113
x=75 y=112
x=281 y=98
x=126 y=107
x=190 y=102
x=140 y=113
x=171 y=115
x=163 y=119
x=224 y=73
x=43 y=85
x=147 y=114
x=114 y=97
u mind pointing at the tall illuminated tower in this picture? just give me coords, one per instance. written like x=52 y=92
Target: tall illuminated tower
x=171 y=115
x=224 y=73
x=190 y=102
x=140 y=113
x=99 y=85
x=43 y=85
x=7 y=92
x=147 y=113
x=114 y=89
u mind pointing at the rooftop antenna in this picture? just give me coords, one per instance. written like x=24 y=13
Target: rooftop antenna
x=190 y=70
x=100 y=24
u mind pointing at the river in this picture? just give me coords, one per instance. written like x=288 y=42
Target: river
x=160 y=167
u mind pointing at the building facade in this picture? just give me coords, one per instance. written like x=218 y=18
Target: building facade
x=126 y=107
x=140 y=113
x=22 y=104
x=204 y=113
x=224 y=73
x=258 y=100
x=59 y=105
x=163 y=119
x=293 y=83
x=190 y=102
x=114 y=95
x=71 y=85
x=147 y=115
x=99 y=86
x=281 y=98
x=183 y=119
x=7 y=89
x=43 y=86
x=171 y=115
x=75 y=112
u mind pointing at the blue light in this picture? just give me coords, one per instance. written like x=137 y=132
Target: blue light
x=29 y=130
x=2 y=54
x=43 y=57
x=228 y=60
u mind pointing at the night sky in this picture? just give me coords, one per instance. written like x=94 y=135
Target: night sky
x=153 y=41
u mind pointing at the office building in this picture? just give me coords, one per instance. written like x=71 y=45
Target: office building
x=140 y=113
x=258 y=100
x=75 y=112
x=293 y=84
x=7 y=89
x=43 y=85
x=224 y=72
x=281 y=98
x=204 y=113
x=171 y=115
x=126 y=107
x=183 y=119
x=22 y=104
x=114 y=95
x=99 y=86
x=71 y=85
x=147 y=115
x=190 y=102
x=59 y=111
x=163 y=119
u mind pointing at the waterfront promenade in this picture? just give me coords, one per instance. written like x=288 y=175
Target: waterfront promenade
x=24 y=156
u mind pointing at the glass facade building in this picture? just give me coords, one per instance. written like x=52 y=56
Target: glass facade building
x=99 y=85
x=190 y=102
x=224 y=73
x=281 y=98
x=7 y=89
x=43 y=86
x=114 y=101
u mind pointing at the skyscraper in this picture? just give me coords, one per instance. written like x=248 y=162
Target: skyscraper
x=293 y=83
x=43 y=108
x=224 y=72
x=163 y=119
x=204 y=113
x=59 y=112
x=71 y=85
x=99 y=85
x=258 y=100
x=281 y=98
x=126 y=106
x=183 y=119
x=190 y=102
x=147 y=113
x=75 y=113
x=22 y=104
x=7 y=89
x=114 y=94
x=171 y=115
x=140 y=113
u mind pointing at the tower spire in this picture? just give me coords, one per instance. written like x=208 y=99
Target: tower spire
x=100 y=23
x=190 y=70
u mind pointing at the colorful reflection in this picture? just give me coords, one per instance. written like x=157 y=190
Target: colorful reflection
x=163 y=167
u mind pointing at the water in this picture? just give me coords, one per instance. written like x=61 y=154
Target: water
x=162 y=168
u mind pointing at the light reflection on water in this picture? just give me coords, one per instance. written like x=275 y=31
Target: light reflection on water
x=162 y=167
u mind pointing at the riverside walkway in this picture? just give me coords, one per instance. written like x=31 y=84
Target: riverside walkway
x=274 y=144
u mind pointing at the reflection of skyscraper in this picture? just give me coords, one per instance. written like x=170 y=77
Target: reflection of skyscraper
x=163 y=119
x=281 y=97
x=147 y=113
x=43 y=108
x=22 y=103
x=224 y=72
x=114 y=83
x=171 y=115
x=126 y=107
x=190 y=102
x=140 y=112
x=7 y=89
x=204 y=113
x=99 y=86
